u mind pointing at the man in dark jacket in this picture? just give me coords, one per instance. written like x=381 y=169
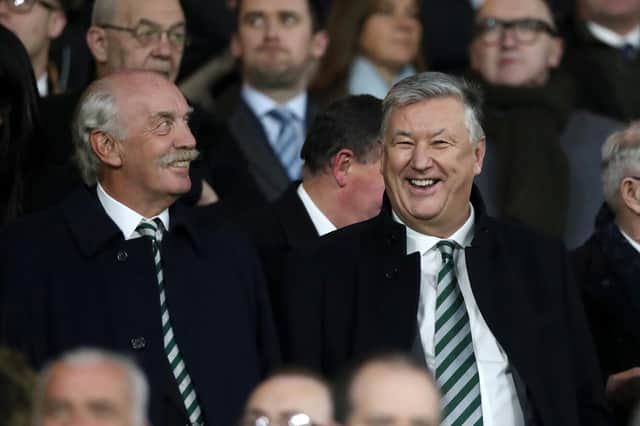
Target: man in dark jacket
x=118 y=266
x=608 y=268
x=489 y=307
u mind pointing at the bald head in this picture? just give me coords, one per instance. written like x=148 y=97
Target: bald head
x=390 y=390
x=515 y=43
x=287 y=394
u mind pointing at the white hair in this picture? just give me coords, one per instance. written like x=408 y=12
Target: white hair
x=88 y=356
x=97 y=110
x=620 y=157
x=431 y=85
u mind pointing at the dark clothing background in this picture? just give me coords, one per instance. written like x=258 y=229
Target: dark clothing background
x=608 y=269
x=68 y=279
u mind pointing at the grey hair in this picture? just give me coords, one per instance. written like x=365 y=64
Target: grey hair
x=97 y=110
x=430 y=85
x=620 y=156
x=103 y=11
x=87 y=356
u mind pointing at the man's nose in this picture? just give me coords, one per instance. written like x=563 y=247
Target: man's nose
x=422 y=157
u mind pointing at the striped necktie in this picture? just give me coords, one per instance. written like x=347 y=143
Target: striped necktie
x=288 y=142
x=456 y=369
x=153 y=230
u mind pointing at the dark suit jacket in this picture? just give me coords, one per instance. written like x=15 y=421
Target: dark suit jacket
x=264 y=165
x=68 y=279
x=221 y=164
x=278 y=229
x=607 y=268
x=356 y=292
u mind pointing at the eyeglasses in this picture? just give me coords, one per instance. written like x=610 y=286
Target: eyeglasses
x=147 y=32
x=290 y=419
x=25 y=6
x=526 y=30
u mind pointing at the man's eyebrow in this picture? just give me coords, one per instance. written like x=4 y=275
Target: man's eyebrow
x=401 y=133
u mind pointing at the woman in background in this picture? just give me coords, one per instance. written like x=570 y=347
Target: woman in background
x=19 y=121
x=373 y=44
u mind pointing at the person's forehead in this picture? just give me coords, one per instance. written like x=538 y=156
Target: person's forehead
x=166 y=12
x=290 y=393
x=88 y=380
x=439 y=112
x=274 y=6
x=515 y=9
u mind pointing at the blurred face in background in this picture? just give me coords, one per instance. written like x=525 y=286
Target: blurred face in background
x=620 y=15
x=390 y=36
x=276 y=43
x=513 y=44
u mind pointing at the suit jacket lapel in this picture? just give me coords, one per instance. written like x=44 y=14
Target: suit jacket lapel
x=270 y=176
x=293 y=217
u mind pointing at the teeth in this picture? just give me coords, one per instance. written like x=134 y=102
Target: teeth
x=183 y=163
x=422 y=182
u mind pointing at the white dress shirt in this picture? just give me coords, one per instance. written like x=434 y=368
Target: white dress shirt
x=125 y=218
x=500 y=404
x=320 y=221
x=633 y=242
x=43 y=85
x=364 y=78
x=613 y=39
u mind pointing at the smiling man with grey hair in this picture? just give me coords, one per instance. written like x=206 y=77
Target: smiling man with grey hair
x=86 y=385
x=119 y=265
x=478 y=301
x=608 y=266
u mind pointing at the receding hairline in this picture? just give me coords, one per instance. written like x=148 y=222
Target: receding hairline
x=542 y=6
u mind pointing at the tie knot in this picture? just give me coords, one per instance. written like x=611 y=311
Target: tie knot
x=151 y=228
x=283 y=115
x=447 y=247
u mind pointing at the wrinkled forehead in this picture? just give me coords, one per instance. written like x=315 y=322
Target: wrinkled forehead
x=274 y=6
x=515 y=9
x=164 y=12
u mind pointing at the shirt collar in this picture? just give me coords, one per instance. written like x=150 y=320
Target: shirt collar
x=364 y=78
x=320 y=221
x=631 y=241
x=43 y=85
x=261 y=104
x=125 y=218
x=608 y=37
x=422 y=243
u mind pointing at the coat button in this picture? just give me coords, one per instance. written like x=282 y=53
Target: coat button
x=122 y=256
x=138 y=343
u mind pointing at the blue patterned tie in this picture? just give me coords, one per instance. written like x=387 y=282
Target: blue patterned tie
x=456 y=369
x=289 y=142
x=153 y=230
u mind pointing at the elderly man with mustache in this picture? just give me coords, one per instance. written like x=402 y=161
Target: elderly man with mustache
x=118 y=266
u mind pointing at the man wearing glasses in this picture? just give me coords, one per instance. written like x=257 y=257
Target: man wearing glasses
x=542 y=155
x=36 y=23
x=608 y=267
x=146 y=35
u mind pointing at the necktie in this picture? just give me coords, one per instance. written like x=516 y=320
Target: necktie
x=456 y=369
x=628 y=51
x=289 y=142
x=153 y=230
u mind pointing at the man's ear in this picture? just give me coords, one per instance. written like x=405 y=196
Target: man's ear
x=341 y=165
x=235 y=46
x=555 y=52
x=106 y=148
x=630 y=194
x=55 y=24
x=319 y=44
x=98 y=43
x=479 y=150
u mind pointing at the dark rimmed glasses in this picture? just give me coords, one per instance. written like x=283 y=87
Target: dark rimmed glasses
x=491 y=30
x=25 y=6
x=147 y=33
x=288 y=419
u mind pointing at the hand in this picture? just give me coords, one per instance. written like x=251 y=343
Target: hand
x=208 y=195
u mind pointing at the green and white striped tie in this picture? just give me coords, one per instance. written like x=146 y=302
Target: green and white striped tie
x=153 y=229
x=456 y=369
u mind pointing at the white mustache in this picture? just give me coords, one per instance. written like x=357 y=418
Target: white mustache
x=182 y=155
